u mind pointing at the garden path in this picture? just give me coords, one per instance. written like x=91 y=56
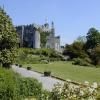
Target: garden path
x=47 y=82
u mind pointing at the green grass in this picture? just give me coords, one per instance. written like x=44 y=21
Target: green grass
x=66 y=71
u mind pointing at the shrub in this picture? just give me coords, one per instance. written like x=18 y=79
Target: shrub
x=8 y=40
x=34 y=56
x=15 y=87
x=20 y=65
x=8 y=85
x=75 y=50
x=69 y=91
x=16 y=64
x=47 y=73
x=29 y=87
x=28 y=68
x=81 y=62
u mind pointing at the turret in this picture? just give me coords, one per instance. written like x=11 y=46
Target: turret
x=52 y=29
x=22 y=35
x=46 y=23
x=36 y=42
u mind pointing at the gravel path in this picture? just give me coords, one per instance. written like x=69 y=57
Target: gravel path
x=47 y=82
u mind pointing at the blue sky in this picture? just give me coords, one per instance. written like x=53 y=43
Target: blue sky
x=72 y=18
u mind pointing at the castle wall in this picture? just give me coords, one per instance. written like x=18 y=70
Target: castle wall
x=57 y=43
x=30 y=37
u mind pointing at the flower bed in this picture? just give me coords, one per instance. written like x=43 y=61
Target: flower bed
x=76 y=92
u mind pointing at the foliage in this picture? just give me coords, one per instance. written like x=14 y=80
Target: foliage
x=43 y=38
x=93 y=38
x=15 y=87
x=66 y=70
x=29 y=87
x=29 y=55
x=81 y=39
x=8 y=88
x=92 y=45
x=29 y=29
x=81 y=62
x=68 y=91
x=75 y=50
x=95 y=55
x=88 y=49
x=8 y=39
x=47 y=73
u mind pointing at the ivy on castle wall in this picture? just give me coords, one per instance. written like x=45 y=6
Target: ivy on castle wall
x=43 y=37
x=29 y=29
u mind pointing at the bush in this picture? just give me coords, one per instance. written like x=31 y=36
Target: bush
x=8 y=40
x=69 y=91
x=8 y=85
x=15 y=87
x=20 y=65
x=81 y=62
x=75 y=50
x=28 y=68
x=16 y=64
x=29 y=87
x=47 y=73
x=34 y=56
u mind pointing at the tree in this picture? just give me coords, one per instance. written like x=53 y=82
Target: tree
x=81 y=39
x=93 y=38
x=8 y=40
x=75 y=50
x=44 y=38
x=95 y=55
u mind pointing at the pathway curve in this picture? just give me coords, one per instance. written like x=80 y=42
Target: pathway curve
x=47 y=82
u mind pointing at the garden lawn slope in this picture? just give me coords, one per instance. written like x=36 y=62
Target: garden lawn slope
x=66 y=70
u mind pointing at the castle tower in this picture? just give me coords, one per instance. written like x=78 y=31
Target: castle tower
x=46 y=23
x=52 y=29
x=22 y=36
x=36 y=40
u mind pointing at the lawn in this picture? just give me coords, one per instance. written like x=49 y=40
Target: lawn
x=66 y=70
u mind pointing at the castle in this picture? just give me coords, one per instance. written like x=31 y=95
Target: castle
x=30 y=36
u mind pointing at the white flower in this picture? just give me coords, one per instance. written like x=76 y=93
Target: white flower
x=74 y=96
x=91 y=98
x=95 y=85
x=60 y=90
x=71 y=87
x=91 y=90
x=81 y=93
x=68 y=80
x=77 y=87
x=86 y=83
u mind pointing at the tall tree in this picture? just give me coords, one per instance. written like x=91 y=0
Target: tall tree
x=93 y=38
x=8 y=39
x=95 y=55
x=75 y=50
